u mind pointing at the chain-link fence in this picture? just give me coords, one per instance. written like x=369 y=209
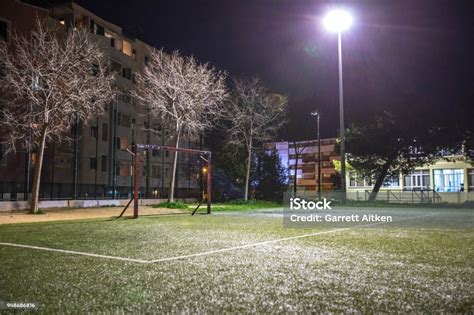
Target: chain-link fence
x=66 y=175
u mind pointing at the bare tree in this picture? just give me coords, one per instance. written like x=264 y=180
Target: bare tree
x=254 y=115
x=183 y=95
x=51 y=82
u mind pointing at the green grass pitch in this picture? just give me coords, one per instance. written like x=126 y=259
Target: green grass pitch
x=425 y=268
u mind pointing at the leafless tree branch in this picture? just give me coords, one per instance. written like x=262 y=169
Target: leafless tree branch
x=185 y=96
x=51 y=81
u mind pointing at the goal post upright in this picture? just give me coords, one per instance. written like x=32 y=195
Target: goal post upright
x=209 y=182
x=136 y=174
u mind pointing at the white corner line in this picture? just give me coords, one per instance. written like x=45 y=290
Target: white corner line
x=75 y=252
x=203 y=253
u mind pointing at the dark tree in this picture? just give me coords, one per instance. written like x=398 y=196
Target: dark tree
x=390 y=144
x=270 y=176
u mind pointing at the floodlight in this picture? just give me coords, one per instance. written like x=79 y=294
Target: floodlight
x=337 y=20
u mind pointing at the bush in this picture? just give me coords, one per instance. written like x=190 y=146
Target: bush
x=171 y=205
x=241 y=202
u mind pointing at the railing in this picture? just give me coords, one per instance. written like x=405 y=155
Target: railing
x=413 y=196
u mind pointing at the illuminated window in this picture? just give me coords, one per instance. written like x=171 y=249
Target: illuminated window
x=391 y=182
x=417 y=180
x=127 y=48
x=449 y=180
x=355 y=180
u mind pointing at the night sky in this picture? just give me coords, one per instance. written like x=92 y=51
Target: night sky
x=399 y=55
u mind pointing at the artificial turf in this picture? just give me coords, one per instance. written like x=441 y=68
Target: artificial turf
x=426 y=267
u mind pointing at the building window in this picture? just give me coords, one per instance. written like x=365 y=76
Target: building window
x=418 y=180
x=4 y=31
x=94 y=131
x=105 y=132
x=97 y=29
x=93 y=163
x=62 y=162
x=470 y=177
x=115 y=67
x=104 y=163
x=125 y=96
x=391 y=182
x=127 y=48
x=155 y=171
x=117 y=143
x=449 y=180
x=355 y=180
x=155 y=152
x=127 y=73
x=124 y=120
x=3 y=157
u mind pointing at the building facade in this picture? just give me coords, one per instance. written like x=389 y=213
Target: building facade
x=301 y=160
x=96 y=164
x=447 y=180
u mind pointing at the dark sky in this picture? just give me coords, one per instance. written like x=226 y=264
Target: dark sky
x=399 y=54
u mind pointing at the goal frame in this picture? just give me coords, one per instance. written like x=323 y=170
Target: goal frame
x=205 y=155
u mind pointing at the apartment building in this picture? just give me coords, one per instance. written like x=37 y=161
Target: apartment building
x=301 y=160
x=97 y=164
x=20 y=17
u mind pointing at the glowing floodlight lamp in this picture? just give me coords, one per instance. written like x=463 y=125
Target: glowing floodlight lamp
x=337 y=21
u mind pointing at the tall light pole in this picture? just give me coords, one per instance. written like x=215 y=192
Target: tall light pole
x=339 y=21
x=317 y=114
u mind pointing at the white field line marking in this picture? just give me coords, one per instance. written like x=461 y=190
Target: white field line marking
x=75 y=252
x=204 y=253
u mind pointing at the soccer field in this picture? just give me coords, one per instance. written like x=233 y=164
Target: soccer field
x=240 y=262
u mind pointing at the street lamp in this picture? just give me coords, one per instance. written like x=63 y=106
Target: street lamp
x=317 y=114
x=339 y=21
